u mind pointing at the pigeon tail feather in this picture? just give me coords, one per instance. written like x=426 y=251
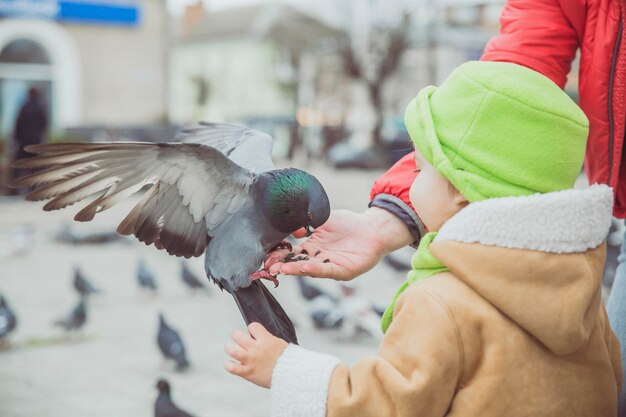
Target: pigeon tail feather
x=257 y=304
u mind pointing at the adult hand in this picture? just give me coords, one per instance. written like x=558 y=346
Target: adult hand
x=346 y=246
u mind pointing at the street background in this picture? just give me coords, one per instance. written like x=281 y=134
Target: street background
x=328 y=79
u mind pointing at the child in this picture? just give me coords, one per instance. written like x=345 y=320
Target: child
x=502 y=312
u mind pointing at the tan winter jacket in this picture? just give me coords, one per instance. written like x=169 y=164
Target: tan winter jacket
x=516 y=328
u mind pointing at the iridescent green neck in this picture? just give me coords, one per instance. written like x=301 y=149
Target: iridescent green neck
x=286 y=199
x=287 y=183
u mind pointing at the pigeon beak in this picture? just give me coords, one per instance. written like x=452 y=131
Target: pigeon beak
x=309 y=216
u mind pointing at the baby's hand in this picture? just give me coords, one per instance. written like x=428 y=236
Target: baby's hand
x=254 y=354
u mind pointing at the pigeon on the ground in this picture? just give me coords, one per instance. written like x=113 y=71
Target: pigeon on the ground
x=8 y=320
x=76 y=319
x=65 y=234
x=164 y=406
x=217 y=193
x=349 y=313
x=145 y=277
x=322 y=306
x=21 y=240
x=189 y=278
x=171 y=345
x=359 y=314
x=310 y=291
x=82 y=285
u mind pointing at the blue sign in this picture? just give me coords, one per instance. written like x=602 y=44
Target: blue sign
x=112 y=12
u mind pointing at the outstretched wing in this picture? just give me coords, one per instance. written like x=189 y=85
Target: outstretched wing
x=248 y=148
x=193 y=188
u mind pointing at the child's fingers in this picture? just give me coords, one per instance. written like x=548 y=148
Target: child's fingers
x=237 y=369
x=242 y=339
x=236 y=352
x=257 y=330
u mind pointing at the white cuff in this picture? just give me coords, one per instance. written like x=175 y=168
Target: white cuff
x=300 y=383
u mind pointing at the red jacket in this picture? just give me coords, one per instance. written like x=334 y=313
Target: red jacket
x=544 y=35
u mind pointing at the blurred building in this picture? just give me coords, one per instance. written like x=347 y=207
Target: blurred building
x=98 y=62
x=256 y=64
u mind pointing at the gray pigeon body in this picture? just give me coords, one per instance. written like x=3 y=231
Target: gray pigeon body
x=65 y=234
x=189 y=278
x=217 y=193
x=8 y=320
x=171 y=345
x=145 y=277
x=82 y=285
x=231 y=260
x=164 y=406
x=322 y=306
x=76 y=319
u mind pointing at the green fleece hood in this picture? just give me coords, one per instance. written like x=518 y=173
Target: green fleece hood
x=496 y=129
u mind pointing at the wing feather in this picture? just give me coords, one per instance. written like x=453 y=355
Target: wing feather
x=61 y=158
x=189 y=183
x=249 y=148
x=57 y=187
x=54 y=174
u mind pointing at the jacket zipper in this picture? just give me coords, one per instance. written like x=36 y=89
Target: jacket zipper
x=612 y=74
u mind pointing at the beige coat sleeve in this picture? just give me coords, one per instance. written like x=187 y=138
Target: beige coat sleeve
x=415 y=374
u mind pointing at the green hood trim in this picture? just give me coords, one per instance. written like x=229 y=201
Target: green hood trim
x=424 y=265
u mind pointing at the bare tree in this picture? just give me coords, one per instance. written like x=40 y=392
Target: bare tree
x=384 y=48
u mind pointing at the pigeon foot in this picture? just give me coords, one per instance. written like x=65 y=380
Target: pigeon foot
x=264 y=274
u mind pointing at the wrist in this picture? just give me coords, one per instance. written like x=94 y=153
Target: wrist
x=391 y=233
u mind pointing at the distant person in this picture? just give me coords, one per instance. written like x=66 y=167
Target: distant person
x=30 y=126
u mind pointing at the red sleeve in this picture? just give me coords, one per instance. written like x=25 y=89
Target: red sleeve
x=397 y=180
x=537 y=34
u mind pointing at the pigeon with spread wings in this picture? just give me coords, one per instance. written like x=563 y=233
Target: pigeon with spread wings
x=215 y=191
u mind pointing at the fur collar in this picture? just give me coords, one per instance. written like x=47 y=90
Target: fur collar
x=560 y=222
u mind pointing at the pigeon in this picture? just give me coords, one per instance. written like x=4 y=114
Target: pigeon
x=322 y=306
x=214 y=191
x=65 y=234
x=171 y=345
x=310 y=291
x=22 y=237
x=82 y=285
x=189 y=278
x=349 y=313
x=76 y=319
x=8 y=321
x=145 y=278
x=359 y=314
x=164 y=406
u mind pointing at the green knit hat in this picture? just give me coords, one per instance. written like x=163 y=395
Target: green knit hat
x=495 y=129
